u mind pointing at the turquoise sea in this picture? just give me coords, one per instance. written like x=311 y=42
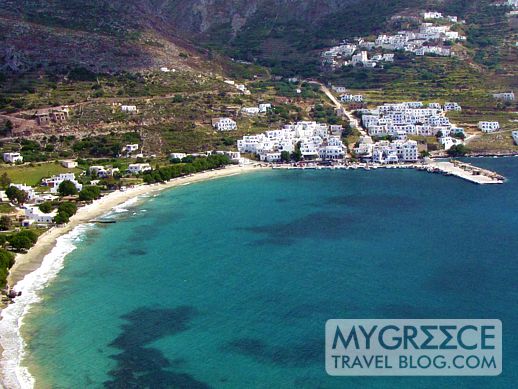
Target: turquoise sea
x=229 y=283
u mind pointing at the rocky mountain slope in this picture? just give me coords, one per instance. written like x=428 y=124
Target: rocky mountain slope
x=284 y=35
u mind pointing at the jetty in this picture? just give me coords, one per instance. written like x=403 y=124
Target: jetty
x=455 y=168
x=466 y=171
x=103 y=221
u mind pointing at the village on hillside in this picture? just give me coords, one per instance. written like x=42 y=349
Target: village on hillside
x=434 y=35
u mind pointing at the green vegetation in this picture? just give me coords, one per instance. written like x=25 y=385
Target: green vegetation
x=17 y=195
x=6 y=262
x=67 y=188
x=65 y=211
x=166 y=173
x=5 y=223
x=296 y=155
x=46 y=207
x=90 y=193
x=23 y=240
x=458 y=151
x=33 y=173
x=5 y=181
x=6 y=208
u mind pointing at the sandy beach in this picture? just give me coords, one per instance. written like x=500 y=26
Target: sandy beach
x=32 y=260
x=26 y=263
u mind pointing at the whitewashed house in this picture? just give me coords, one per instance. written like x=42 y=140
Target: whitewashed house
x=68 y=163
x=250 y=110
x=137 y=168
x=347 y=98
x=506 y=96
x=339 y=89
x=131 y=148
x=177 y=155
x=31 y=194
x=54 y=181
x=452 y=107
x=13 y=158
x=234 y=156
x=224 y=124
x=432 y=15
x=35 y=215
x=264 y=107
x=488 y=126
x=129 y=108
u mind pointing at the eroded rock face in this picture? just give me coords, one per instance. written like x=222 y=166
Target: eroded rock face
x=199 y=16
x=136 y=34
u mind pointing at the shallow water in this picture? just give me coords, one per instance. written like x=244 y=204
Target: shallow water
x=229 y=283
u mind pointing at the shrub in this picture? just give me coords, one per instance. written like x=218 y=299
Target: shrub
x=67 y=188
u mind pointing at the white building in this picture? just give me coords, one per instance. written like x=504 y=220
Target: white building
x=177 y=155
x=452 y=107
x=234 y=156
x=13 y=158
x=339 y=89
x=31 y=194
x=130 y=148
x=316 y=140
x=136 y=168
x=264 y=107
x=515 y=137
x=250 y=110
x=129 y=108
x=506 y=96
x=68 y=163
x=34 y=214
x=432 y=15
x=347 y=98
x=54 y=181
x=224 y=124
x=448 y=142
x=488 y=126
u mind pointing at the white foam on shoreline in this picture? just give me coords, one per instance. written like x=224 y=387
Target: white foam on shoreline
x=122 y=208
x=13 y=373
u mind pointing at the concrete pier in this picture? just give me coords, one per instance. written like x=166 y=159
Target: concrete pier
x=467 y=172
x=459 y=169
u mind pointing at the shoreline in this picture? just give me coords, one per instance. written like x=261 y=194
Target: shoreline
x=31 y=262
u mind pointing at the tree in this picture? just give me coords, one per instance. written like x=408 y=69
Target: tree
x=9 y=125
x=90 y=193
x=20 y=242
x=6 y=259
x=46 y=207
x=67 y=188
x=30 y=234
x=17 y=195
x=5 y=223
x=5 y=180
x=67 y=208
x=285 y=156
x=458 y=151
x=297 y=154
x=61 y=218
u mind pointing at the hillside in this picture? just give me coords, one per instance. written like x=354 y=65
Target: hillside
x=101 y=36
x=91 y=54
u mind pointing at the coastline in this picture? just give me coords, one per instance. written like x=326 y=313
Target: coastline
x=29 y=264
x=30 y=261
